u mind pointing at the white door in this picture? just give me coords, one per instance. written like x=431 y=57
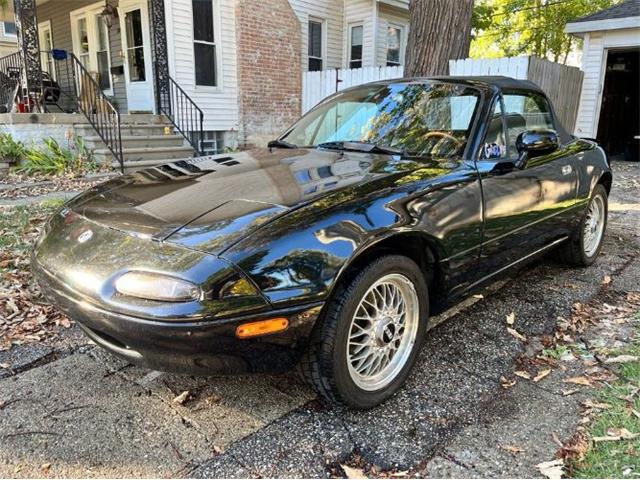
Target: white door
x=90 y=37
x=136 y=47
x=46 y=45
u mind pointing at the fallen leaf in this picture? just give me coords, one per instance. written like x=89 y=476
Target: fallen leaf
x=512 y=448
x=541 y=375
x=566 y=393
x=401 y=473
x=622 y=359
x=600 y=406
x=511 y=318
x=351 y=472
x=578 y=381
x=217 y=449
x=479 y=296
x=623 y=433
x=553 y=469
x=517 y=335
x=522 y=374
x=180 y=399
x=506 y=383
x=606 y=280
x=45 y=467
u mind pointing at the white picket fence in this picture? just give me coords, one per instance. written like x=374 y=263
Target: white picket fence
x=514 y=67
x=316 y=86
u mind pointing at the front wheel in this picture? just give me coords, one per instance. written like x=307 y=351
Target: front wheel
x=370 y=335
x=584 y=246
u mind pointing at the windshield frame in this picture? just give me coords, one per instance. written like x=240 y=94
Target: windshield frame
x=473 y=125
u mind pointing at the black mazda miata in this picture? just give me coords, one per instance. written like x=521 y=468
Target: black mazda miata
x=331 y=248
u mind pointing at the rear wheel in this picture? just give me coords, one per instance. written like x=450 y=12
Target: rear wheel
x=584 y=246
x=370 y=335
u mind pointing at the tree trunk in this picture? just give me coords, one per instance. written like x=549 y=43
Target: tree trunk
x=439 y=30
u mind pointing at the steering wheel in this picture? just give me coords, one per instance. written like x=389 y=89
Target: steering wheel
x=444 y=137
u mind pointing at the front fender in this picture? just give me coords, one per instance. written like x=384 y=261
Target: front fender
x=299 y=257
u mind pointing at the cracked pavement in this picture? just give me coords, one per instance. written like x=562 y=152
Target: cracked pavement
x=83 y=413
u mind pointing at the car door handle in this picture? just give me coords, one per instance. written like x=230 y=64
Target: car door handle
x=566 y=170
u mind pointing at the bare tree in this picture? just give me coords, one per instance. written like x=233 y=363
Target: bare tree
x=439 y=30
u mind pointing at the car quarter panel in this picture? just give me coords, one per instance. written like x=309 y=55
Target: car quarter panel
x=299 y=256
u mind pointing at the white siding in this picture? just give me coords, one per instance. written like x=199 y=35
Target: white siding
x=395 y=16
x=362 y=12
x=220 y=104
x=593 y=64
x=331 y=13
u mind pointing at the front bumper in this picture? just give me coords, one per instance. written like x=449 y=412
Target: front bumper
x=200 y=347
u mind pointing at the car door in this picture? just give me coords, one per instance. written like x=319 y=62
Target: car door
x=525 y=208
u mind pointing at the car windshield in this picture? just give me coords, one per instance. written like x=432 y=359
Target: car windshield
x=422 y=119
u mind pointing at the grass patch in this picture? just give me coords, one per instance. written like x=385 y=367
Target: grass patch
x=616 y=459
x=18 y=224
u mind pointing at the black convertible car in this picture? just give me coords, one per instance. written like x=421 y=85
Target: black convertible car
x=331 y=248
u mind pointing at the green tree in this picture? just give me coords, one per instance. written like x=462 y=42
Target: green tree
x=507 y=28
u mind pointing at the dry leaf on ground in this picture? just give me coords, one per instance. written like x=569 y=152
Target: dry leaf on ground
x=553 y=469
x=512 y=448
x=516 y=334
x=522 y=374
x=351 y=472
x=622 y=359
x=511 y=318
x=183 y=397
x=606 y=280
x=541 y=375
x=578 y=381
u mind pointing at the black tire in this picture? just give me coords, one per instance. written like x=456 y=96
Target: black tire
x=325 y=365
x=573 y=251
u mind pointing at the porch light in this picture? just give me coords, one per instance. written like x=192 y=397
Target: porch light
x=109 y=15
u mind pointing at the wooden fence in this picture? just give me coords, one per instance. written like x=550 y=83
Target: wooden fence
x=561 y=83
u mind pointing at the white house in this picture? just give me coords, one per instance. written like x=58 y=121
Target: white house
x=610 y=103
x=235 y=64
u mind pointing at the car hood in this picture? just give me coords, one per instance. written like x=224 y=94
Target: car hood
x=210 y=203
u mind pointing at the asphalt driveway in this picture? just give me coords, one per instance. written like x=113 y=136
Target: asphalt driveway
x=78 y=412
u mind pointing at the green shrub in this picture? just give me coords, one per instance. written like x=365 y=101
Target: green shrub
x=11 y=151
x=54 y=159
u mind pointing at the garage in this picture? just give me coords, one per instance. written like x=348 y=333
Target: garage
x=609 y=108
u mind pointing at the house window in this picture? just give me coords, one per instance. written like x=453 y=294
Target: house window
x=204 y=44
x=355 y=47
x=9 y=29
x=212 y=142
x=102 y=53
x=135 y=46
x=315 y=45
x=394 y=45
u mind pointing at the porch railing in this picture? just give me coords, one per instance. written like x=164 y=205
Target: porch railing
x=183 y=112
x=97 y=108
x=10 y=73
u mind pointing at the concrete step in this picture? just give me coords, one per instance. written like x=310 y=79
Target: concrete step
x=86 y=130
x=140 y=141
x=159 y=155
x=143 y=119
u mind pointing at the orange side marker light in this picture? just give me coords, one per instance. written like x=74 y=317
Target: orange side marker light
x=262 y=327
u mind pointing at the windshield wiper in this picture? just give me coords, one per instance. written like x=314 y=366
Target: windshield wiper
x=280 y=144
x=358 y=146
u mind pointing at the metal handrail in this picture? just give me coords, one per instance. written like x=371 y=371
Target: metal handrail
x=10 y=74
x=183 y=113
x=96 y=107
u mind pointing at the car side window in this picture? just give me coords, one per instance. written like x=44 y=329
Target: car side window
x=494 y=145
x=525 y=111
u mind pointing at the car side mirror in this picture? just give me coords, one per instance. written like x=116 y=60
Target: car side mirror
x=534 y=143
